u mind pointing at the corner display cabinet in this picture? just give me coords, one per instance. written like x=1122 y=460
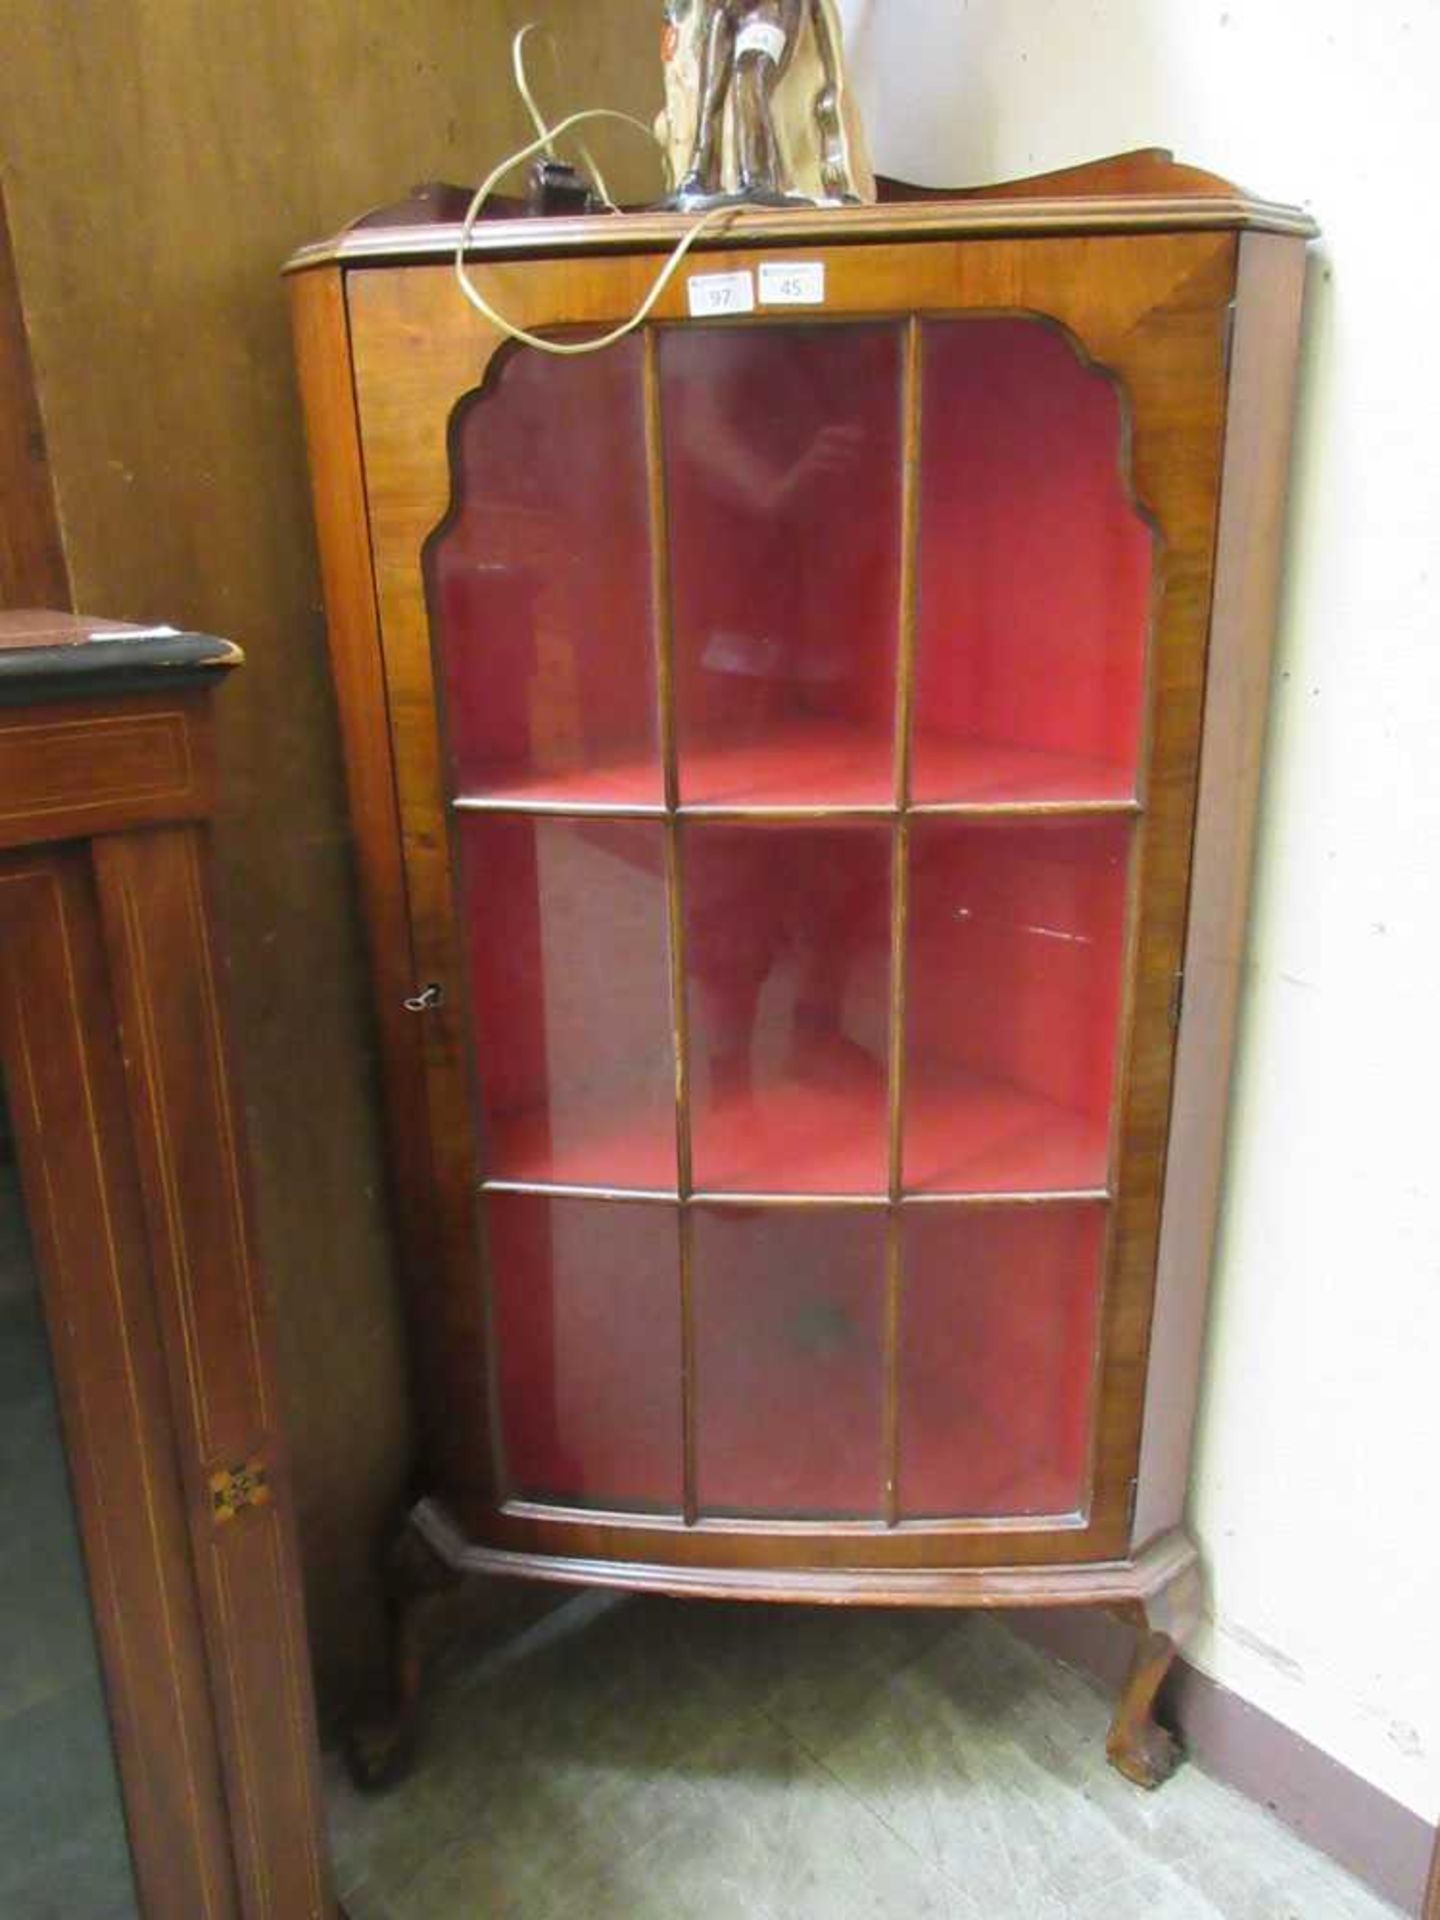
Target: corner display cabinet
x=803 y=760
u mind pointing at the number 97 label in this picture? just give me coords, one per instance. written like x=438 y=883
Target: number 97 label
x=714 y=293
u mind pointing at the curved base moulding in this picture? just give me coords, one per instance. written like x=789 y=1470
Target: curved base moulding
x=1158 y=1591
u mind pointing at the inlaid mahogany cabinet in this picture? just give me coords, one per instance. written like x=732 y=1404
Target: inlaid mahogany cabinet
x=159 y=1730
x=802 y=759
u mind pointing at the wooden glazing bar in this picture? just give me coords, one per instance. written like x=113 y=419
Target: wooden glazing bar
x=660 y=576
x=904 y=738
x=899 y=970
x=674 y=905
x=679 y=1011
x=899 y=930
x=684 y=1172
x=911 y=400
x=686 y=1224
x=900 y=894
x=893 y=1252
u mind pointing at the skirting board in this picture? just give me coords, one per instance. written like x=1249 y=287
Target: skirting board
x=1367 y=1832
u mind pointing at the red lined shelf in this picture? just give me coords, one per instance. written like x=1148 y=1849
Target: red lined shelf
x=800 y=762
x=540 y=586
x=992 y=773
x=782 y=472
x=1015 y=942
x=822 y=1135
x=968 y=1134
x=1034 y=568
x=787 y=954
x=597 y=1149
x=565 y=923
x=615 y=786
x=1012 y=992
x=813 y=765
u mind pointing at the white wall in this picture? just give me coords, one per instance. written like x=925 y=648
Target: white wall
x=1316 y=1483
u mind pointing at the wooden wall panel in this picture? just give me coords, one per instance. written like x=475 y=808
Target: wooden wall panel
x=32 y=559
x=160 y=161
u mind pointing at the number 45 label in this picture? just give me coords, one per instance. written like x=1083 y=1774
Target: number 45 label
x=792 y=283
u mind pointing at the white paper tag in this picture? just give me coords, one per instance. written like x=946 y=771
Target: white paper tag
x=712 y=293
x=761 y=37
x=134 y=633
x=792 y=283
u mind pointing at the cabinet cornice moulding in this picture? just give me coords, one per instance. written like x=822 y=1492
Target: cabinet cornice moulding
x=1127 y=193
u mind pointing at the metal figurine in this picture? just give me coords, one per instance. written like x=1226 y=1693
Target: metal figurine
x=757 y=107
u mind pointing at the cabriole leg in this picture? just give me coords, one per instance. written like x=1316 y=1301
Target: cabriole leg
x=378 y=1753
x=1137 y=1745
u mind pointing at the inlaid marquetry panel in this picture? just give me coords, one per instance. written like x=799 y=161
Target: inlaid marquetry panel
x=67 y=770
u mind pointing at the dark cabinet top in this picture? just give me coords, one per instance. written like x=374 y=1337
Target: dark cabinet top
x=69 y=656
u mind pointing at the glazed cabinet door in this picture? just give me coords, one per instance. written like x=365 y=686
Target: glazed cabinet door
x=795 y=725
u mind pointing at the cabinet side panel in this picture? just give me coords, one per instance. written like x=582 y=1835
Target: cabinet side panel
x=1269 y=290
x=322 y=347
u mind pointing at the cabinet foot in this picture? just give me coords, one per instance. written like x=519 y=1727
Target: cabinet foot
x=1137 y=1745
x=379 y=1751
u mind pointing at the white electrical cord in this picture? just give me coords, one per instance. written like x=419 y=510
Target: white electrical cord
x=522 y=87
x=544 y=142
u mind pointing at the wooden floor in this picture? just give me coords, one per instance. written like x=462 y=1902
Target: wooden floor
x=647 y=1760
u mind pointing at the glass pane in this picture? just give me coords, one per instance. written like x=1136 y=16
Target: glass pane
x=59 y=1794
x=789 y=1360
x=567 y=931
x=1034 y=571
x=1016 y=945
x=540 y=585
x=586 y=1297
x=787 y=956
x=998 y=1324
x=782 y=457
